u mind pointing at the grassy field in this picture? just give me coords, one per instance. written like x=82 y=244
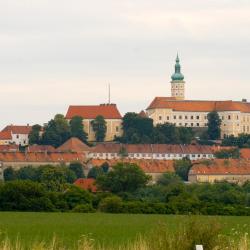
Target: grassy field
x=107 y=229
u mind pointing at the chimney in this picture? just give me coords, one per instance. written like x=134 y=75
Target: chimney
x=244 y=100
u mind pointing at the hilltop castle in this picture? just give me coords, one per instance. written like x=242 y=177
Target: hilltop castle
x=235 y=115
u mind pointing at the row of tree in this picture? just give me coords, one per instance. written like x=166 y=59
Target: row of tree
x=59 y=130
x=125 y=189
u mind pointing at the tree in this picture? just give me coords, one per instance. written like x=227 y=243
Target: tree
x=182 y=168
x=77 y=168
x=95 y=172
x=169 y=178
x=24 y=196
x=56 y=132
x=77 y=129
x=125 y=177
x=214 y=122
x=28 y=173
x=9 y=174
x=136 y=129
x=35 y=136
x=233 y=153
x=99 y=127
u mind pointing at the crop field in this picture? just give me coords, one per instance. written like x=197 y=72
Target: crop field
x=105 y=229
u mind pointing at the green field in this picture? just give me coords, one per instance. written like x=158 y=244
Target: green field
x=106 y=229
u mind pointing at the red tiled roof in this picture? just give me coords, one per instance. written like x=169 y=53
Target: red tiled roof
x=245 y=153
x=9 y=148
x=143 y=114
x=108 y=111
x=148 y=166
x=86 y=184
x=73 y=145
x=40 y=148
x=221 y=167
x=153 y=148
x=5 y=135
x=17 y=129
x=199 y=106
x=40 y=157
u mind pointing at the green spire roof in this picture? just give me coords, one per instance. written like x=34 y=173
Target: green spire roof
x=177 y=76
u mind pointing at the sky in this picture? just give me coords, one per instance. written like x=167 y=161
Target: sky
x=56 y=53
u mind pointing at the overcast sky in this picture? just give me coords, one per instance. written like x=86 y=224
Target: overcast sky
x=54 y=53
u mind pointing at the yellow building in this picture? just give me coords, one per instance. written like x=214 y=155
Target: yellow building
x=235 y=115
x=231 y=170
x=109 y=112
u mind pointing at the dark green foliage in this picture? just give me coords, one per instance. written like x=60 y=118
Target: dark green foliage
x=9 y=174
x=125 y=177
x=34 y=136
x=182 y=168
x=56 y=132
x=77 y=168
x=99 y=127
x=242 y=141
x=233 y=153
x=214 y=122
x=105 y=167
x=77 y=129
x=138 y=129
x=24 y=196
x=95 y=172
x=75 y=196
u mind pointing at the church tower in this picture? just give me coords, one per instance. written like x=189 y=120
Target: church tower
x=177 y=83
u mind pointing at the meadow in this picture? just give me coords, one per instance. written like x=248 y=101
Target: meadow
x=106 y=229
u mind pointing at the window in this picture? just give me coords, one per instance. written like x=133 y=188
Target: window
x=160 y=118
x=17 y=136
x=197 y=117
x=205 y=117
x=186 y=124
x=117 y=129
x=163 y=155
x=222 y=118
x=229 y=117
x=192 y=124
x=192 y=117
x=174 y=116
x=180 y=124
x=197 y=124
x=167 y=117
x=180 y=117
x=186 y=117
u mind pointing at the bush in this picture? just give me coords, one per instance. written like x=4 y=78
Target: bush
x=83 y=208
x=112 y=204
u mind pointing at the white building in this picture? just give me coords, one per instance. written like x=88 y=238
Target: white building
x=15 y=134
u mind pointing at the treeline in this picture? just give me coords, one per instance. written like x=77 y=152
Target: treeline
x=59 y=130
x=241 y=141
x=125 y=189
x=137 y=129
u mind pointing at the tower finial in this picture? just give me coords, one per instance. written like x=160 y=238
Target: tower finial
x=177 y=76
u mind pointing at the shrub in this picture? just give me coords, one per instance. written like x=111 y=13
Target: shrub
x=112 y=204
x=83 y=208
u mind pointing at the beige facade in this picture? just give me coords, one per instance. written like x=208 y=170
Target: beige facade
x=211 y=178
x=114 y=128
x=232 y=122
x=178 y=90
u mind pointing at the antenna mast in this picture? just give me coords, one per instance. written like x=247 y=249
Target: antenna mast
x=109 y=95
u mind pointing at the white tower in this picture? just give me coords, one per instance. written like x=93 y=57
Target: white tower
x=177 y=83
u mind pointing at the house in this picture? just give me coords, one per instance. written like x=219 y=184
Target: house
x=151 y=151
x=235 y=115
x=17 y=134
x=109 y=112
x=5 y=138
x=86 y=184
x=231 y=170
x=154 y=168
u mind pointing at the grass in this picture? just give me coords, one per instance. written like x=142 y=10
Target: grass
x=105 y=229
